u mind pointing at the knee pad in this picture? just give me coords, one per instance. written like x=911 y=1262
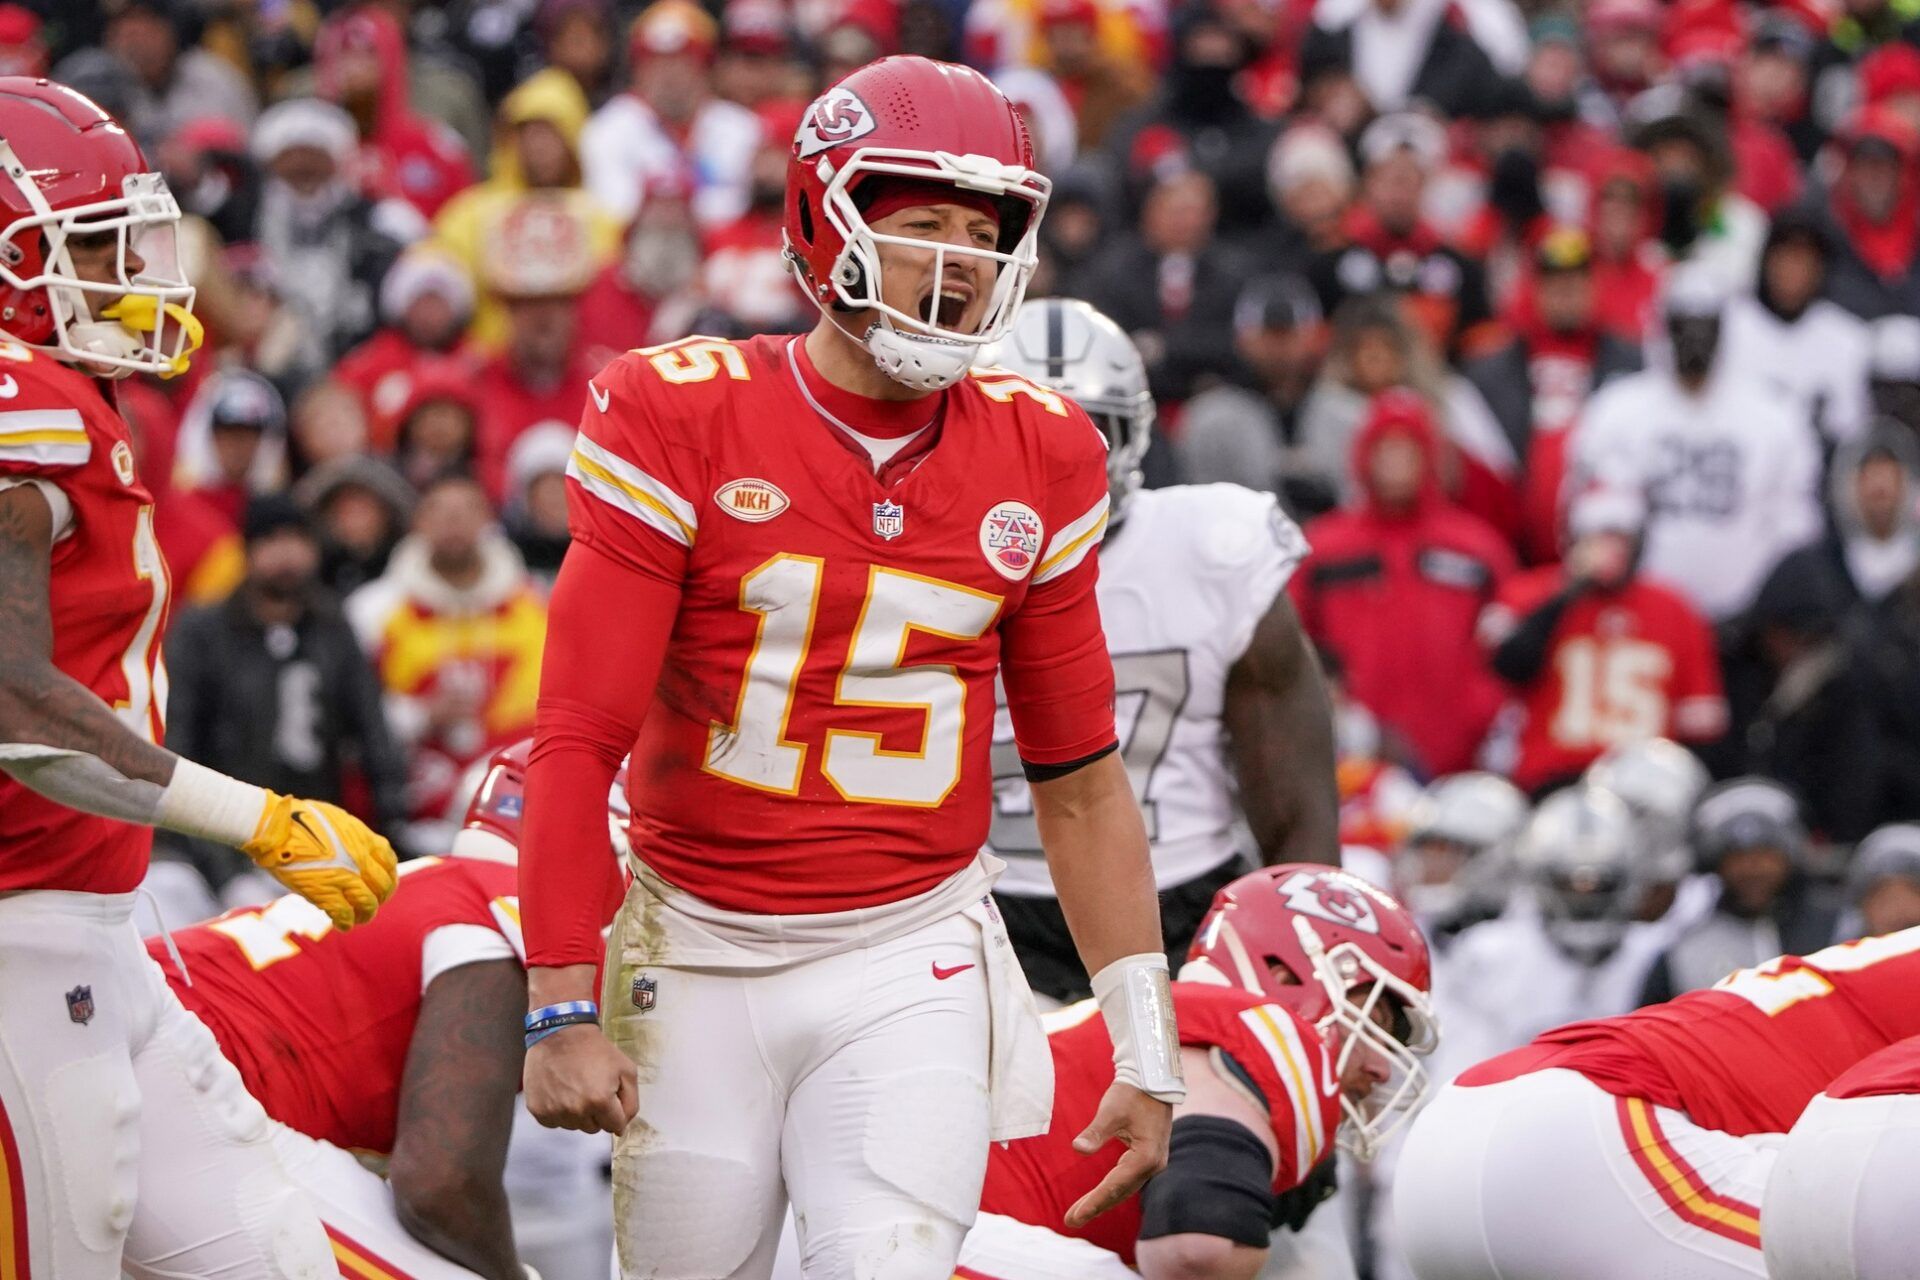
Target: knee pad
x=685 y=1214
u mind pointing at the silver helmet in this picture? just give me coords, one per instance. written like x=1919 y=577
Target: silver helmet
x=1577 y=855
x=1659 y=780
x=1466 y=821
x=1065 y=344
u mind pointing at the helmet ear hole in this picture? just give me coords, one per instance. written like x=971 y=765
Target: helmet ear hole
x=806 y=218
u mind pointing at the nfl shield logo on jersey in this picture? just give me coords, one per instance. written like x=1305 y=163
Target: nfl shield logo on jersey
x=646 y=991
x=889 y=519
x=80 y=1005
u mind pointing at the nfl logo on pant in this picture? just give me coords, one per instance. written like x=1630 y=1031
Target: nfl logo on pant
x=889 y=519
x=80 y=1005
x=645 y=992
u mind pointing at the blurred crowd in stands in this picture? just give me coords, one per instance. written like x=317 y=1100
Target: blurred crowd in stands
x=1582 y=337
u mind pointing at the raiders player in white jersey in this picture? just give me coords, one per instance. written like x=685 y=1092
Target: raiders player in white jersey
x=1221 y=707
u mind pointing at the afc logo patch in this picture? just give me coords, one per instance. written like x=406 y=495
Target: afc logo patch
x=1010 y=539
x=836 y=116
x=1332 y=897
x=646 y=992
x=80 y=1005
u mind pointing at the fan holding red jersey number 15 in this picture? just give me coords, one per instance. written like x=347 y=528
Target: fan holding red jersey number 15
x=797 y=566
x=90 y=291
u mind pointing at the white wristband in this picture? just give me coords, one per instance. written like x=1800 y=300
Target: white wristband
x=1136 y=999
x=210 y=806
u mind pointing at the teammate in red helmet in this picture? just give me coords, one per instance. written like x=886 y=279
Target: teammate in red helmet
x=797 y=566
x=90 y=291
x=1303 y=1015
x=398 y=1039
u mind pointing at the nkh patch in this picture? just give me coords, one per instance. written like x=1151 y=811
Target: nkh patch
x=1010 y=536
x=646 y=991
x=889 y=520
x=80 y=1004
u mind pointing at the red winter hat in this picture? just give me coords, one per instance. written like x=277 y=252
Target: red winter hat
x=1889 y=71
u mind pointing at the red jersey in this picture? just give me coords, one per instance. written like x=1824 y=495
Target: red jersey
x=319 y=1022
x=820 y=736
x=1036 y=1180
x=107 y=594
x=1746 y=1055
x=1895 y=1069
x=1624 y=666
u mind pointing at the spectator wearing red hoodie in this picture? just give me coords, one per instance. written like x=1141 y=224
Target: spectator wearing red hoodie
x=1395 y=584
x=1598 y=655
x=437 y=430
x=360 y=62
x=425 y=303
x=1536 y=384
x=1875 y=204
x=539 y=258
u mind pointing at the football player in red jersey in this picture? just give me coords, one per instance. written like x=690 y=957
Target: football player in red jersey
x=797 y=565
x=397 y=1039
x=1844 y=1193
x=1661 y=1125
x=92 y=1045
x=1304 y=1000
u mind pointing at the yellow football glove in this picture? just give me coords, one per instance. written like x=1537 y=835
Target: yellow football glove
x=324 y=854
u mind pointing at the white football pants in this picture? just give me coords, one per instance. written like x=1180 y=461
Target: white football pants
x=116 y=1109
x=1549 y=1177
x=1002 y=1248
x=854 y=1085
x=1844 y=1199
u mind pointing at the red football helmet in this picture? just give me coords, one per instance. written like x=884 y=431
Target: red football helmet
x=70 y=171
x=499 y=801
x=910 y=119
x=1344 y=947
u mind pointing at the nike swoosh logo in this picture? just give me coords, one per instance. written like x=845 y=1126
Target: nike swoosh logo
x=600 y=397
x=8 y=387
x=941 y=975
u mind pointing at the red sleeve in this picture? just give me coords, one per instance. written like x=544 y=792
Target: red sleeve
x=41 y=433
x=607 y=631
x=1289 y=1062
x=1699 y=706
x=1053 y=652
x=633 y=485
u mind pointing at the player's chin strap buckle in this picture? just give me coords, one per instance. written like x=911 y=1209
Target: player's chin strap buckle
x=1136 y=1000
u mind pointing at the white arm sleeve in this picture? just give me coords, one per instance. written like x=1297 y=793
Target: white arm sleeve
x=62 y=509
x=452 y=946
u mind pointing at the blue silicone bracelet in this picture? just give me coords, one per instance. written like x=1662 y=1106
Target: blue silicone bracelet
x=546 y=1011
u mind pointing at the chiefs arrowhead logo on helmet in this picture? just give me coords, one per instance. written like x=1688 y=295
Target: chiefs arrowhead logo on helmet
x=837 y=116
x=1327 y=898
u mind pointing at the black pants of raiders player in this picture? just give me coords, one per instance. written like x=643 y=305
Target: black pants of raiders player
x=1046 y=951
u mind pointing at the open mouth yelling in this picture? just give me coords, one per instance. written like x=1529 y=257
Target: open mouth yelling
x=946 y=308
